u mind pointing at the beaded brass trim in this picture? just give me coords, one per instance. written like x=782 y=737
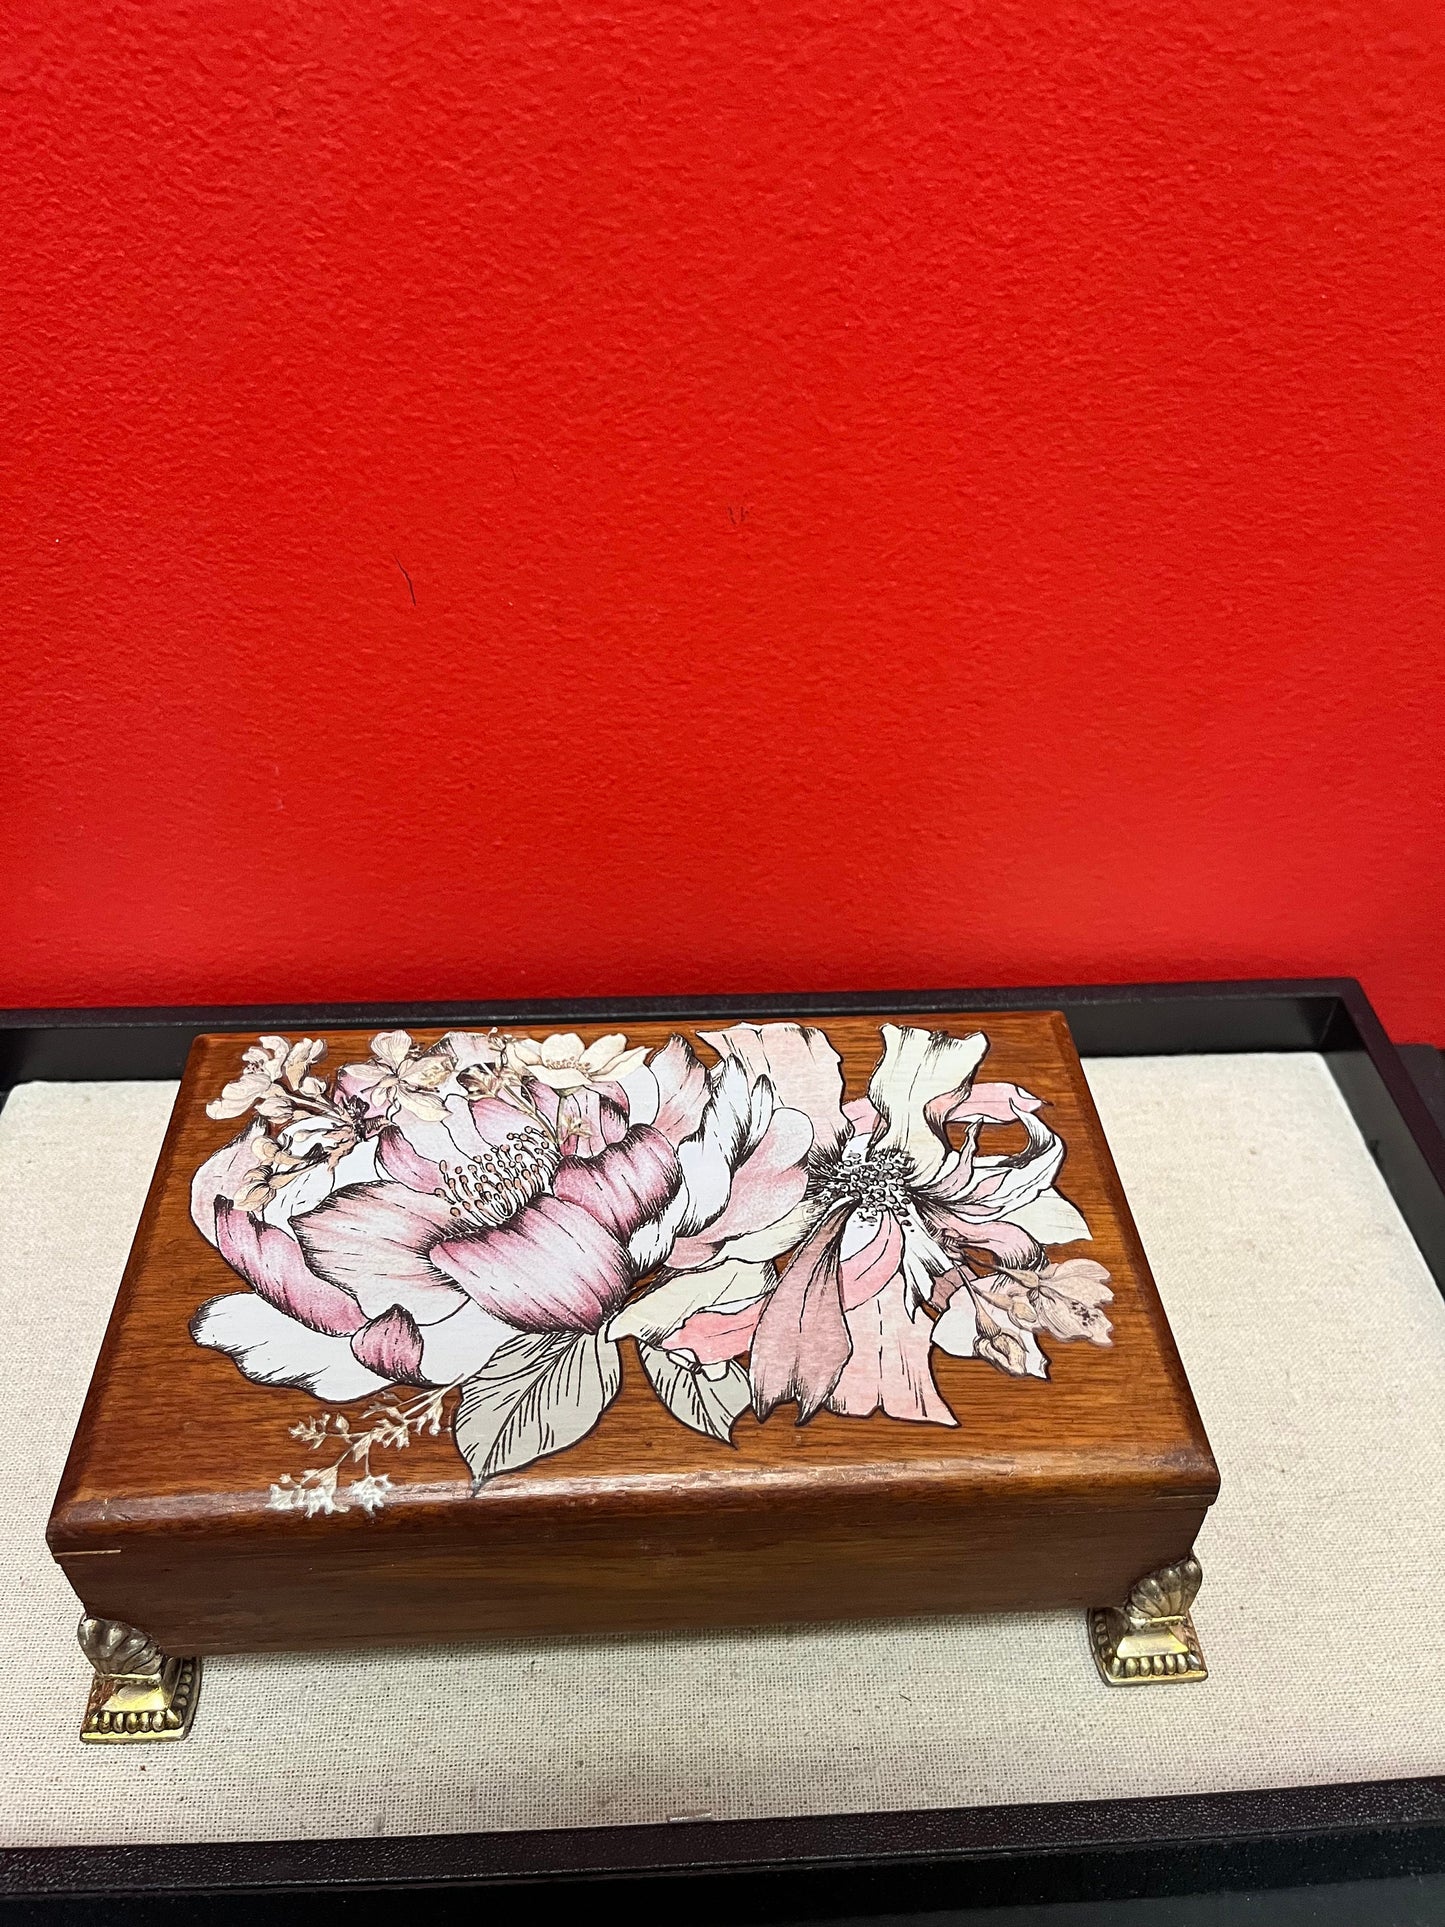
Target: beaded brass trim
x=1150 y=1640
x=139 y=1693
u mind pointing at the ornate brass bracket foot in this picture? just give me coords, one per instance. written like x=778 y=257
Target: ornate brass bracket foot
x=138 y=1692
x=1150 y=1639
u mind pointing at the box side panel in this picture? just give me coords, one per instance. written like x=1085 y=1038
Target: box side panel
x=588 y=1576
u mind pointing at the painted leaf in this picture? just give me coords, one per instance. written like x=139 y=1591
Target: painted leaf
x=538 y=1394
x=709 y=1405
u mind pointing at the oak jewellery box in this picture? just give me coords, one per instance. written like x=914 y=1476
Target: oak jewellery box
x=449 y=1335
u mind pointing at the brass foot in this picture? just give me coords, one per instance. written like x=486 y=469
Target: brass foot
x=138 y=1693
x=1150 y=1639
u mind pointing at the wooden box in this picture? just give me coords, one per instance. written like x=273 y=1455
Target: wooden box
x=431 y=1338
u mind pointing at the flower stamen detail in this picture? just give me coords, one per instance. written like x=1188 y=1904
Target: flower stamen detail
x=878 y=1181
x=491 y=1188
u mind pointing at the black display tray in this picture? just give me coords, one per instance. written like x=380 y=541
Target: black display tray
x=830 y=1865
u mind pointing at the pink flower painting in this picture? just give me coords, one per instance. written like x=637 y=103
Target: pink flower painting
x=498 y=1216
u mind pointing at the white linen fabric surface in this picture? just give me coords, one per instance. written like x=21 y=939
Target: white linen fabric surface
x=1314 y=1338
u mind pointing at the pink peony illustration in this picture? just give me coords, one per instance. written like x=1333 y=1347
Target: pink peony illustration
x=495 y=1215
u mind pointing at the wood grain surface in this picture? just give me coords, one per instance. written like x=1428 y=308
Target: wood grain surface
x=1048 y=1492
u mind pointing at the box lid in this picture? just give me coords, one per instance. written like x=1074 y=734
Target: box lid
x=377 y=1276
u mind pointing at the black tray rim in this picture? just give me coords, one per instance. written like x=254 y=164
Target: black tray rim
x=832 y=1862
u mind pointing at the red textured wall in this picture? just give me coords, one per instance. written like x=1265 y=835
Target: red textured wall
x=893 y=494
